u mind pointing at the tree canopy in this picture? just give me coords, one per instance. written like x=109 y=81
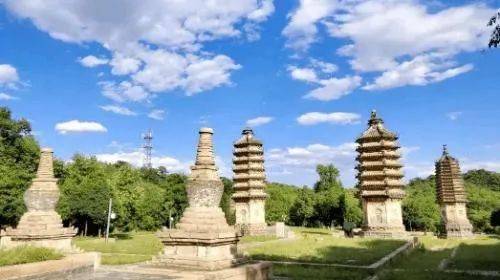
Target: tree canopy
x=19 y=154
x=495 y=34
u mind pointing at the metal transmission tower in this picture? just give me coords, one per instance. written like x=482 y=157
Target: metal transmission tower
x=148 y=148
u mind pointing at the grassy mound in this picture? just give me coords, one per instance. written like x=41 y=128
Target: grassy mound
x=27 y=254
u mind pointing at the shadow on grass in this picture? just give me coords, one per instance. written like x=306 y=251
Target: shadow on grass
x=477 y=256
x=421 y=259
x=121 y=236
x=301 y=272
x=306 y=232
x=369 y=252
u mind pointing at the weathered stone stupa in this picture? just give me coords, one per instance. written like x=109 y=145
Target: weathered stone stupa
x=202 y=239
x=452 y=197
x=249 y=196
x=379 y=176
x=41 y=225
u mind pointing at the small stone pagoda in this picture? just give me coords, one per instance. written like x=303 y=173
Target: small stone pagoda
x=41 y=225
x=380 y=180
x=451 y=196
x=202 y=239
x=249 y=184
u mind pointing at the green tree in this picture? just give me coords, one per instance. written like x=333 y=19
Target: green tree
x=351 y=208
x=303 y=208
x=280 y=199
x=328 y=178
x=327 y=208
x=225 y=202
x=19 y=154
x=495 y=34
x=150 y=206
x=123 y=180
x=85 y=193
x=482 y=202
x=483 y=178
x=420 y=210
x=175 y=188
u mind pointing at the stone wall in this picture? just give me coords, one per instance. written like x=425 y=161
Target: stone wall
x=66 y=268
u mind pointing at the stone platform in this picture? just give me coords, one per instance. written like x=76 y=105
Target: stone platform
x=72 y=266
x=254 y=271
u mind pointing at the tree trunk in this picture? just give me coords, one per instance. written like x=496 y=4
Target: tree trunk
x=86 y=226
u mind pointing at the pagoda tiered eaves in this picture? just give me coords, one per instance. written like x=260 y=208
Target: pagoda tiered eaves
x=380 y=179
x=249 y=184
x=452 y=197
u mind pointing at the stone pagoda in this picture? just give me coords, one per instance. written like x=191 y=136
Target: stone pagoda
x=202 y=239
x=451 y=196
x=41 y=225
x=380 y=180
x=249 y=184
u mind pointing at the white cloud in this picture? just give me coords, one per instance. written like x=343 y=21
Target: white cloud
x=136 y=158
x=157 y=114
x=5 y=96
x=296 y=165
x=123 y=65
x=301 y=31
x=92 y=61
x=408 y=28
x=422 y=70
x=334 y=88
x=76 y=126
x=118 y=110
x=324 y=66
x=208 y=73
x=303 y=74
x=454 y=115
x=407 y=40
x=124 y=91
x=313 y=118
x=490 y=165
x=8 y=75
x=157 y=44
x=259 y=121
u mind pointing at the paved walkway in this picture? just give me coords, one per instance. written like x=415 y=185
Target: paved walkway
x=102 y=274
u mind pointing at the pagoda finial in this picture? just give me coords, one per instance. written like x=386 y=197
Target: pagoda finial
x=445 y=150
x=374 y=119
x=247 y=130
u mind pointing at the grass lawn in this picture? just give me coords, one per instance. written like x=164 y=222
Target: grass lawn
x=318 y=245
x=432 y=275
x=127 y=248
x=482 y=253
x=27 y=254
x=299 y=272
x=262 y=238
x=423 y=262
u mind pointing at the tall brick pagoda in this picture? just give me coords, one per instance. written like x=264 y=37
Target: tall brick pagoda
x=452 y=197
x=380 y=180
x=249 y=184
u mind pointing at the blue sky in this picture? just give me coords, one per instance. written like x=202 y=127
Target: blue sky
x=92 y=76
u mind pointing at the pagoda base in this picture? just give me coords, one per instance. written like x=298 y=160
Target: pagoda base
x=384 y=232
x=40 y=229
x=253 y=229
x=202 y=241
x=459 y=231
x=199 y=251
